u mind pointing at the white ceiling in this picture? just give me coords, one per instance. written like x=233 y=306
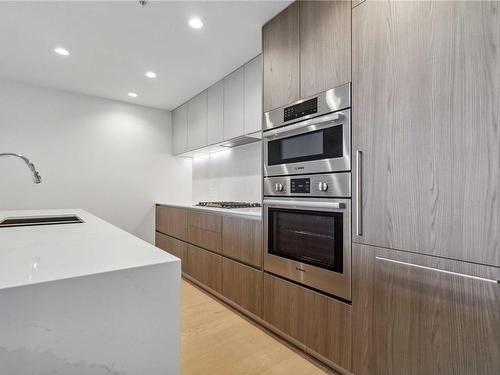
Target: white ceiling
x=112 y=45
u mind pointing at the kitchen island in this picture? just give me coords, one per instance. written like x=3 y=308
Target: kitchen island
x=86 y=298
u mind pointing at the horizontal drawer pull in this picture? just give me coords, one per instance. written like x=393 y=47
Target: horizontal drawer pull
x=439 y=270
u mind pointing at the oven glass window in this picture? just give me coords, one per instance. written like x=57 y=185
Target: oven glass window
x=302 y=145
x=320 y=144
x=312 y=237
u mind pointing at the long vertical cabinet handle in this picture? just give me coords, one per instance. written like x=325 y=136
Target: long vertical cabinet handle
x=359 y=196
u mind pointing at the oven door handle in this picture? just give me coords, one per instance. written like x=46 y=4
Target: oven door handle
x=292 y=128
x=306 y=205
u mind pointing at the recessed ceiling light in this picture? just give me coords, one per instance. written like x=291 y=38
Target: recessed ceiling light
x=132 y=94
x=150 y=74
x=61 y=51
x=195 y=23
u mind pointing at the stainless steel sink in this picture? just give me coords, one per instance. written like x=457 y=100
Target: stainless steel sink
x=39 y=220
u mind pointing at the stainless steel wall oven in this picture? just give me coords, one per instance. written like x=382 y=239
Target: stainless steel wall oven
x=308 y=240
x=307 y=192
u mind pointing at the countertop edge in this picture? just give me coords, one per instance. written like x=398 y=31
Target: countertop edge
x=223 y=211
x=94 y=230
x=93 y=274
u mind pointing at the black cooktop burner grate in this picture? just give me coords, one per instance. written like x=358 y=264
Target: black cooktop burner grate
x=228 y=204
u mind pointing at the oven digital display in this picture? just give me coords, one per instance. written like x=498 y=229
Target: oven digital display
x=300 y=185
x=299 y=110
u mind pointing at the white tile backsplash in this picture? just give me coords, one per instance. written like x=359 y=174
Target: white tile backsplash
x=231 y=175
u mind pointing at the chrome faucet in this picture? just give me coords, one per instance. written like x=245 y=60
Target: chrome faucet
x=36 y=176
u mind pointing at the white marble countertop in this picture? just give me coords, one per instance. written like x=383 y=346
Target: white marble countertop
x=254 y=212
x=36 y=254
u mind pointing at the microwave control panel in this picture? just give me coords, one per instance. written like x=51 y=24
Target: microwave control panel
x=300 y=185
x=296 y=111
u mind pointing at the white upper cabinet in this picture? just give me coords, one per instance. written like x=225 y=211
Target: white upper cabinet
x=234 y=104
x=253 y=95
x=197 y=121
x=215 y=111
x=179 y=130
x=228 y=109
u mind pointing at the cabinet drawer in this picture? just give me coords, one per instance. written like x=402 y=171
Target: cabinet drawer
x=321 y=323
x=285 y=306
x=329 y=328
x=205 y=267
x=172 y=221
x=172 y=246
x=242 y=240
x=205 y=221
x=242 y=285
x=204 y=230
x=412 y=316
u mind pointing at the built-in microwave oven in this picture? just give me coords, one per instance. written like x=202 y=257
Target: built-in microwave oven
x=310 y=136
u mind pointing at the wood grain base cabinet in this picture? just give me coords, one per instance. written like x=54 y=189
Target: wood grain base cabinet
x=205 y=230
x=172 y=221
x=285 y=306
x=242 y=240
x=426 y=115
x=328 y=328
x=413 y=320
x=321 y=323
x=204 y=266
x=173 y=246
x=242 y=285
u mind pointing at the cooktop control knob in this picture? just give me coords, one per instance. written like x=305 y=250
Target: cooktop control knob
x=278 y=187
x=322 y=186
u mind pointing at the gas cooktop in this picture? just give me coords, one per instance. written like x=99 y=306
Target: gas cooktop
x=229 y=204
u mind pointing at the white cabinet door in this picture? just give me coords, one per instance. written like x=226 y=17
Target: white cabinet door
x=197 y=121
x=234 y=104
x=179 y=129
x=253 y=95
x=215 y=113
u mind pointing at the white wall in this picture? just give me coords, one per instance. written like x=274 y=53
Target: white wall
x=109 y=158
x=231 y=175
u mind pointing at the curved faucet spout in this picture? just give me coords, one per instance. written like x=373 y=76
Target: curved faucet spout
x=36 y=176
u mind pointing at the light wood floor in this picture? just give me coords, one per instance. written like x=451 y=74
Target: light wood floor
x=218 y=340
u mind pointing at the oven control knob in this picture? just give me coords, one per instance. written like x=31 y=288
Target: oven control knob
x=278 y=187
x=322 y=186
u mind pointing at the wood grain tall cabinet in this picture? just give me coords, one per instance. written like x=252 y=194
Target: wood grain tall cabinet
x=426 y=121
x=426 y=187
x=325 y=45
x=280 y=46
x=306 y=50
